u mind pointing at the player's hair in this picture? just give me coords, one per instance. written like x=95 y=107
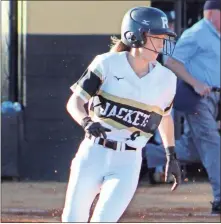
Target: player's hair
x=117 y=45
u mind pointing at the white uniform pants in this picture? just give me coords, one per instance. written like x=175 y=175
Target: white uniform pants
x=95 y=169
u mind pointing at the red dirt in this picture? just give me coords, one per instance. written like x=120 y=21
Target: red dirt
x=190 y=203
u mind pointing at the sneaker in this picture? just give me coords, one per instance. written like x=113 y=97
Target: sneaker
x=216 y=207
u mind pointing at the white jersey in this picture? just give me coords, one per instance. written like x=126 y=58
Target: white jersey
x=123 y=102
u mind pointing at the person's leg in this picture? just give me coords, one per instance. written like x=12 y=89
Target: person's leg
x=206 y=138
x=117 y=191
x=84 y=183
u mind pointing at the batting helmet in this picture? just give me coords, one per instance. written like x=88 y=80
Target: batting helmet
x=139 y=20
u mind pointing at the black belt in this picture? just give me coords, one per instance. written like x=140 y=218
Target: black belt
x=111 y=144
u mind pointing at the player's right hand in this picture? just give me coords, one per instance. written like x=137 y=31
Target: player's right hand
x=201 y=88
x=94 y=128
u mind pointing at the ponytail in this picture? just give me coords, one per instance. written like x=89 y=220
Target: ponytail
x=117 y=45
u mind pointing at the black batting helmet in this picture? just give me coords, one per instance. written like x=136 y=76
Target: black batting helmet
x=139 y=20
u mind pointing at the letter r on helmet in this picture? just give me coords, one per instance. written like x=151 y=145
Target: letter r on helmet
x=164 y=22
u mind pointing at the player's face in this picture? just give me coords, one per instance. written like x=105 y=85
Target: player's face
x=153 y=46
x=155 y=42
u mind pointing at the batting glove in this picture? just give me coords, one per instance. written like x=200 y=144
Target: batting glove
x=94 y=128
x=172 y=167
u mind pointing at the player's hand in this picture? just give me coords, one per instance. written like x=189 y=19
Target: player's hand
x=94 y=128
x=172 y=167
x=201 y=88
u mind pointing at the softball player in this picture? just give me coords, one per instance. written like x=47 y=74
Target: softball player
x=130 y=94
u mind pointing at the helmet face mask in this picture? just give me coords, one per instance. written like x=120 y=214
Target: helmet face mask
x=168 y=45
x=141 y=20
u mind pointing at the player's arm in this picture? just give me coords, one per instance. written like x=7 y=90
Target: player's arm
x=85 y=88
x=166 y=127
x=76 y=108
x=166 y=130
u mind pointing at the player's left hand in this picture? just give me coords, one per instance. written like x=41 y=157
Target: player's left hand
x=172 y=167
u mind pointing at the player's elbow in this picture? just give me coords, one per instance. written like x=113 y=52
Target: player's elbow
x=71 y=103
x=74 y=104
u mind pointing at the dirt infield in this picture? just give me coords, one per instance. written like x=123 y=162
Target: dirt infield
x=43 y=202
